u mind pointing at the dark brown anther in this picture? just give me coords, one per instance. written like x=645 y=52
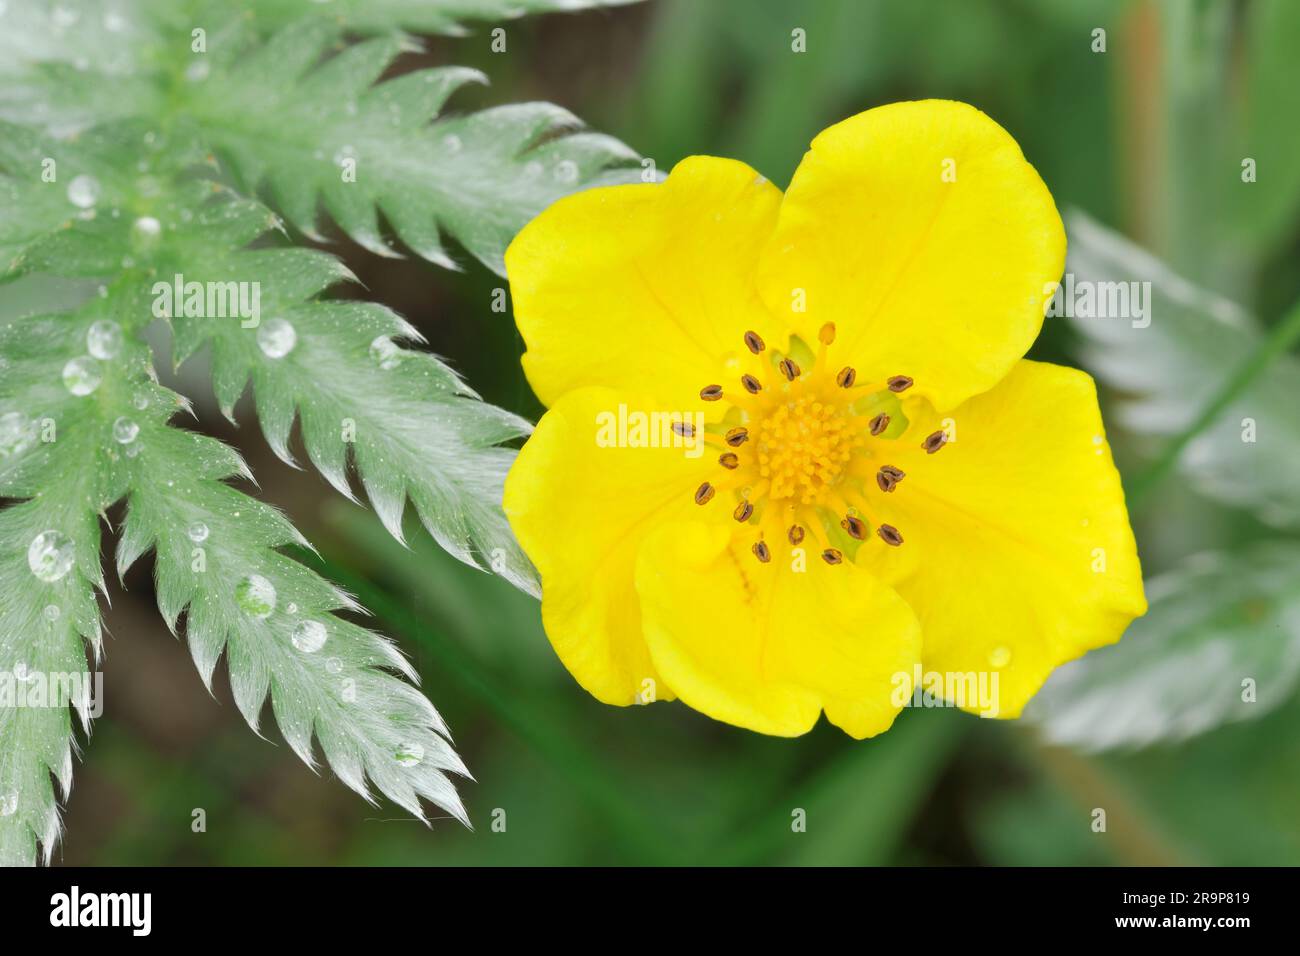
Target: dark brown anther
x=729 y=460
x=684 y=429
x=889 y=534
x=711 y=393
x=832 y=556
x=752 y=385
x=754 y=342
x=704 y=494
x=795 y=534
x=743 y=511
x=899 y=383
x=855 y=526
x=789 y=369
x=761 y=552
x=737 y=437
x=826 y=334
x=846 y=377
x=888 y=477
x=934 y=441
x=879 y=423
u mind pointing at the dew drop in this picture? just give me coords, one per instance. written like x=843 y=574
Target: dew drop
x=334 y=665
x=385 y=353
x=408 y=755
x=276 y=338
x=16 y=434
x=83 y=191
x=50 y=555
x=566 y=171
x=256 y=596
x=132 y=449
x=308 y=636
x=104 y=339
x=197 y=532
x=82 y=375
x=125 y=431
x=140 y=402
x=291 y=608
x=52 y=612
x=9 y=804
x=451 y=143
x=1000 y=656
x=146 y=230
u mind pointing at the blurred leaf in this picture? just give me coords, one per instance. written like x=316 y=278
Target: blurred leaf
x=1217 y=621
x=1173 y=368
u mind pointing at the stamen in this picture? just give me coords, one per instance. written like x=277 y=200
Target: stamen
x=752 y=385
x=737 y=437
x=789 y=369
x=704 y=494
x=879 y=424
x=684 y=429
x=711 y=393
x=754 y=342
x=846 y=377
x=899 y=383
x=854 y=526
x=832 y=556
x=934 y=441
x=795 y=534
x=827 y=333
x=761 y=552
x=743 y=511
x=889 y=534
x=729 y=460
x=888 y=477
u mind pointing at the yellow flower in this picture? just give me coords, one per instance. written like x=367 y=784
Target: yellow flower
x=793 y=455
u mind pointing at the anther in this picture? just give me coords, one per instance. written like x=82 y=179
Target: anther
x=832 y=556
x=704 y=494
x=752 y=385
x=795 y=534
x=888 y=477
x=684 y=429
x=754 y=342
x=854 y=526
x=743 y=511
x=934 y=441
x=789 y=369
x=879 y=424
x=827 y=333
x=729 y=460
x=761 y=552
x=846 y=377
x=737 y=437
x=711 y=393
x=889 y=534
x=899 y=383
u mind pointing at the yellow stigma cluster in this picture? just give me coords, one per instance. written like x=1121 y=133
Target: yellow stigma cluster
x=803 y=444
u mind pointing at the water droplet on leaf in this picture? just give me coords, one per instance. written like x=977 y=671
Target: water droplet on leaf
x=256 y=596
x=50 y=555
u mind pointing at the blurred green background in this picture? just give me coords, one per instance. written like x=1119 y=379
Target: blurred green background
x=1146 y=138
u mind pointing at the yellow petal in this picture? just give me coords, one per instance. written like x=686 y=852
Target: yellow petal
x=580 y=508
x=764 y=647
x=922 y=232
x=1017 y=552
x=646 y=287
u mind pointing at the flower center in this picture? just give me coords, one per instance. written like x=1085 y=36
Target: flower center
x=799 y=455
